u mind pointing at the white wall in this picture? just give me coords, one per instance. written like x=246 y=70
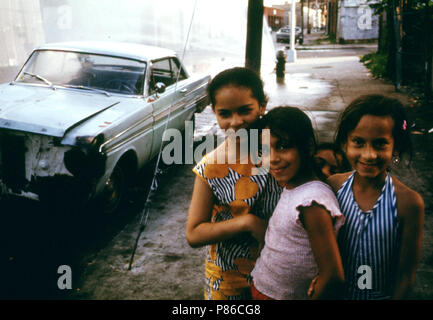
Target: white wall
x=357 y=21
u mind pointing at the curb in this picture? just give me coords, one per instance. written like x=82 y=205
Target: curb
x=335 y=47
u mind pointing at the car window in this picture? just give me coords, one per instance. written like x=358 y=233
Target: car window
x=112 y=74
x=175 y=65
x=166 y=71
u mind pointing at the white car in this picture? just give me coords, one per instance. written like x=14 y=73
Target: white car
x=87 y=116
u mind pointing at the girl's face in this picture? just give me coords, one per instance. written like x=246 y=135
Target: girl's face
x=369 y=147
x=327 y=161
x=284 y=161
x=236 y=108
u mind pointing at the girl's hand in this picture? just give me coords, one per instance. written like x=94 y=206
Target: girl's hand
x=310 y=291
x=201 y=231
x=255 y=226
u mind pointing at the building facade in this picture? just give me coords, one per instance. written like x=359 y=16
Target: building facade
x=274 y=17
x=352 y=21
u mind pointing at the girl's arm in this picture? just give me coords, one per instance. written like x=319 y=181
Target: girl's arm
x=318 y=224
x=201 y=231
x=412 y=219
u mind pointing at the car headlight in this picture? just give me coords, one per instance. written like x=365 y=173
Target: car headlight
x=84 y=160
x=90 y=141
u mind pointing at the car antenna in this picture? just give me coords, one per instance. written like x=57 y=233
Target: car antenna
x=157 y=172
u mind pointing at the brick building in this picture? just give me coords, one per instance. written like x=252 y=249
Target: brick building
x=274 y=17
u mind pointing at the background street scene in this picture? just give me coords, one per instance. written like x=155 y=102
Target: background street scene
x=37 y=238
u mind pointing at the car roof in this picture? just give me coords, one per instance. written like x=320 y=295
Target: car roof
x=119 y=49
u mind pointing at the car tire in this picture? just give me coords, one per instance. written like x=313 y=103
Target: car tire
x=114 y=194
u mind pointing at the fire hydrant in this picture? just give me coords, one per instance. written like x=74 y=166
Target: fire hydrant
x=281 y=65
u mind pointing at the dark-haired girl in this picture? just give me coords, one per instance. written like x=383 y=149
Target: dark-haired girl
x=330 y=160
x=380 y=243
x=230 y=204
x=300 y=241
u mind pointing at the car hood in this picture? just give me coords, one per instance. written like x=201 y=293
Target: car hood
x=47 y=111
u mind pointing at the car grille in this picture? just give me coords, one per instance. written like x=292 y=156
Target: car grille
x=12 y=159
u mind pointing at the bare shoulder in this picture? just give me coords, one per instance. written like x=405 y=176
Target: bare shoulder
x=336 y=180
x=408 y=201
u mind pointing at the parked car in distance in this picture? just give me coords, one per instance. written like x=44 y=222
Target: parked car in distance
x=283 y=35
x=90 y=115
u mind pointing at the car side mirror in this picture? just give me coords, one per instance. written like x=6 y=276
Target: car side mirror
x=160 y=87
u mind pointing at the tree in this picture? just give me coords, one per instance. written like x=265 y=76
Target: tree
x=406 y=37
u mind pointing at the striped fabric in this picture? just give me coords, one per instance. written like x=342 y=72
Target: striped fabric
x=369 y=241
x=236 y=192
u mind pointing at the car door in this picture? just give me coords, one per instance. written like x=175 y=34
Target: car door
x=170 y=105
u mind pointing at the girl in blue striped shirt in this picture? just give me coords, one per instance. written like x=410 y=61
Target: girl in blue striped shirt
x=380 y=243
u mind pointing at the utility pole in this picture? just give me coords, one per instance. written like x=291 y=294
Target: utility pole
x=291 y=53
x=253 y=51
x=327 y=18
x=302 y=17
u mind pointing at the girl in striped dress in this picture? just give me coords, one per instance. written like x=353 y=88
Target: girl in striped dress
x=231 y=202
x=380 y=243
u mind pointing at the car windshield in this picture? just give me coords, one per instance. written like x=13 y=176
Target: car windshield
x=84 y=71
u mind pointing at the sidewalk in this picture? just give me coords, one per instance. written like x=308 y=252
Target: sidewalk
x=319 y=41
x=333 y=46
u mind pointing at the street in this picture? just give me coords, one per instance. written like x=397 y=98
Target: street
x=36 y=240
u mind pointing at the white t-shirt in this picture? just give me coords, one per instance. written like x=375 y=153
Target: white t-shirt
x=286 y=264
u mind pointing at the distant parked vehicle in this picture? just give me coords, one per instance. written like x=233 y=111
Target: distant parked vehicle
x=90 y=115
x=283 y=35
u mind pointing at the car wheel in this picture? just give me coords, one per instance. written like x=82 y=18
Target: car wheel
x=114 y=192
